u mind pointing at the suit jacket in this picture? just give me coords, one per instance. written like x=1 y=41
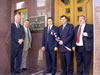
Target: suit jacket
x=87 y=41
x=66 y=36
x=16 y=35
x=27 y=42
x=52 y=42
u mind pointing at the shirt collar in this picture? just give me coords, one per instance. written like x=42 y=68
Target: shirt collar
x=65 y=24
x=50 y=26
x=25 y=26
x=16 y=24
x=83 y=24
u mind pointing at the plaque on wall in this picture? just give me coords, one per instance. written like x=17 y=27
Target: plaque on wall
x=37 y=23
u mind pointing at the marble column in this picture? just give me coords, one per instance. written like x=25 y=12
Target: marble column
x=5 y=20
x=96 y=20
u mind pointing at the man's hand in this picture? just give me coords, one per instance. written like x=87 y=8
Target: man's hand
x=43 y=48
x=60 y=42
x=85 y=34
x=20 y=41
x=55 y=49
x=57 y=39
x=73 y=49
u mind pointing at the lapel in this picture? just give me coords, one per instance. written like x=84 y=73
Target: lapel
x=76 y=31
x=61 y=28
x=66 y=26
x=52 y=28
x=15 y=27
x=85 y=28
x=65 y=29
x=61 y=31
x=46 y=30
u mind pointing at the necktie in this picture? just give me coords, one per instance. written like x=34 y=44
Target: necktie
x=63 y=26
x=18 y=26
x=28 y=34
x=78 y=35
x=48 y=31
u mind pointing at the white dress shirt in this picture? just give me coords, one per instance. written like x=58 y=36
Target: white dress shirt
x=81 y=35
x=26 y=31
x=17 y=25
x=50 y=26
x=64 y=25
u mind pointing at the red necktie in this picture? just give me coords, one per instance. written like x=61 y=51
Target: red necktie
x=78 y=35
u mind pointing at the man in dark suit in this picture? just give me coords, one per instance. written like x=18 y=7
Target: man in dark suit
x=50 y=46
x=83 y=45
x=17 y=39
x=66 y=35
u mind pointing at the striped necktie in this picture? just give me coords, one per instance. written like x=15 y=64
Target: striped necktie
x=28 y=34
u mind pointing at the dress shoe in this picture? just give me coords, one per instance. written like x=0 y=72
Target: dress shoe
x=24 y=69
x=18 y=71
x=53 y=74
x=47 y=72
x=60 y=73
x=63 y=74
x=13 y=74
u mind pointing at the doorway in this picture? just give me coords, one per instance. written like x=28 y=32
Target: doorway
x=23 y=14
x=73 y=9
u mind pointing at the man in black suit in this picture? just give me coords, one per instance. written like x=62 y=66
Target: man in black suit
x=50 y=46
x=66 y=35
x=17 y=40
x=83 y=45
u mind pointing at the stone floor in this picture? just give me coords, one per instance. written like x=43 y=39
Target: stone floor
x=36 y=73
x=31 y=72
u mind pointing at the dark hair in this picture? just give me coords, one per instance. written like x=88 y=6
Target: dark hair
x=63 y=16
x=50 y=18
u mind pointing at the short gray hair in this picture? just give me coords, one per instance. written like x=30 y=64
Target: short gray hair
x=82 y=16
x=17 y=15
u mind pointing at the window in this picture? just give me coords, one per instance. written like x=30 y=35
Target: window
x=79 y=9
x=80 y=1
x=66 y=1
x=68 y=10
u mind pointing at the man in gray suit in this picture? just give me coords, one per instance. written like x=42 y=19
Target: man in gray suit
x=27 y=44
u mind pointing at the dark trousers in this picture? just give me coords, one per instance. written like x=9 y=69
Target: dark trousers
x=16 y=55
x=83 y=60
x=51 y=60
x=66 y=63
